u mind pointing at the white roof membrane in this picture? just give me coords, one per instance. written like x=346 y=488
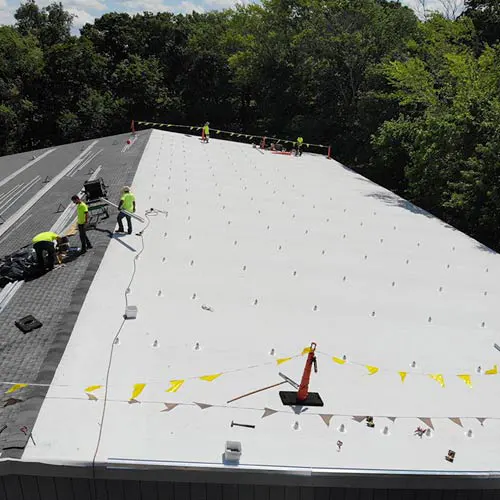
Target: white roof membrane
x=247 y=259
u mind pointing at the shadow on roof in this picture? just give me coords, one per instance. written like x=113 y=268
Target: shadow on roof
x=395 y=201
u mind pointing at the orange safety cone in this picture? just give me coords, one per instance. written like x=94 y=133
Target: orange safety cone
x=306 y=376
x=303 y=397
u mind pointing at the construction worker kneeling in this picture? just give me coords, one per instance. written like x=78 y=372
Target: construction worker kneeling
x=45 y=244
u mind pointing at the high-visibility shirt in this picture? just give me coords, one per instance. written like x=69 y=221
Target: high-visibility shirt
x=300 y=140
x=82 y=210
x=206 y=130
x=47 y=236
x=127 y=200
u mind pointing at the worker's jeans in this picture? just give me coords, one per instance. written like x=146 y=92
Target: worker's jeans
x=83 y=238
x=121 y=215
x=40 y=248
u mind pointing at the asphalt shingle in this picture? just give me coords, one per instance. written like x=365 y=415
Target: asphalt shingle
x=55 y=298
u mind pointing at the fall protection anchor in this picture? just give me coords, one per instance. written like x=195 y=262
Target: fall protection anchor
x=303 y=397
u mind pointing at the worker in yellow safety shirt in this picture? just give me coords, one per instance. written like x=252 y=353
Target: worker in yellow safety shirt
x=206 y=132
x=44 y=243
x=300 y=141
x=82 y=211
x=127 y=202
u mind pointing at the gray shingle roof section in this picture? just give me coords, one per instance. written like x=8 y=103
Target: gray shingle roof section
x=55 y=298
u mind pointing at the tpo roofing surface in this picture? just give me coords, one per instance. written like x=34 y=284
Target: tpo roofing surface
x=246 y=258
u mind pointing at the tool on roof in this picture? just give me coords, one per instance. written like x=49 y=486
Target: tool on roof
x=235 y=424
x=303 y=397
x=257 y=390
x=289 y=380
x=135 y=216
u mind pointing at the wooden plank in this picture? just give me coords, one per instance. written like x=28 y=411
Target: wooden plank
x=149 y=490
x=132 y=490
x=81 y=489
x=181 y=491
x=29 y=487
x=214 y=491
x=12 y=486
x=63 y=488
x=198 y=491
x=46 y=488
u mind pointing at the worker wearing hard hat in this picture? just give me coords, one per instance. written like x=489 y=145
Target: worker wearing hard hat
x=300 y=142
x=127 y=203
x=206 y=132
x=45 y=243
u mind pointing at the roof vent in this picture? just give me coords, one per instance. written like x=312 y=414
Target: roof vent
x=131 y=312
x=232 y=452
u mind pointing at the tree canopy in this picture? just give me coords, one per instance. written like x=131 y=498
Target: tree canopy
x=412 y=104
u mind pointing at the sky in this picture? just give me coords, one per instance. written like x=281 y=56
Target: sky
x=86 y=11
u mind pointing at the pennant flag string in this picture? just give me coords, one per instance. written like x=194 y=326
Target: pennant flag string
x=439 y=377
x=210 y=378
x=230 y=133
x=175 y=385
x=138 y=388
x=16 y=387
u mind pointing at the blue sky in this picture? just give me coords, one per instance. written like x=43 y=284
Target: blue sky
x=87 y=10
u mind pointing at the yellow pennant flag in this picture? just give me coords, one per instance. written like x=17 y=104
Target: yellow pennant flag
x=282 y=360
x=371 y=369
x=306 y=350
x=340 y=361
x=210 y=378
x=138 y=388
x=493 y=371
x=175 y=385
x=403 y=376
x=466 y=379
x=92 y=388
x=16 y=387
x=438 y=378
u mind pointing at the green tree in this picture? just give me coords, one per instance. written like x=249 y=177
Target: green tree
x=21 y=66
x=51 y=24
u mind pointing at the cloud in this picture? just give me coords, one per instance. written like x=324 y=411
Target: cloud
x=6 y=13
x=76 y=4
x=223 y=4
x=187 y=7
x=81 y=17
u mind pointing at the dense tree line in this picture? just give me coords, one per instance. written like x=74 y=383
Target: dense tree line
x=414 y=105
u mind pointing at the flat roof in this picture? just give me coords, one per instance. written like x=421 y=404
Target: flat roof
x=247 y=258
